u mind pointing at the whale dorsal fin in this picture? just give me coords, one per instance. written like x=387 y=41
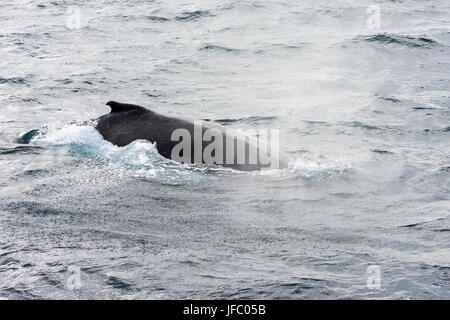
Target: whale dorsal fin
x=122 y=107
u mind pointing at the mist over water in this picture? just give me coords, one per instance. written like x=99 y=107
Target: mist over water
x=363 y=113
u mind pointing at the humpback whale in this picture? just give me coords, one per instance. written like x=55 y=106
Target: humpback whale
x=203 y=141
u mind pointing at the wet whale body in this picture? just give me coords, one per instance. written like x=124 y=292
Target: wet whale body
x=186 y=141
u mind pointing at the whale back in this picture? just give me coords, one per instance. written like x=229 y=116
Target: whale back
x=128 y=122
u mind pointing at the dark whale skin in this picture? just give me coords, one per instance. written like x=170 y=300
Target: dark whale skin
x=127 y=123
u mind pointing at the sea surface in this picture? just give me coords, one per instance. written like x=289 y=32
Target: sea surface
x=360 y=91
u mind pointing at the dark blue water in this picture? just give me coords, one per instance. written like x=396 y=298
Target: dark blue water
x=362 y=111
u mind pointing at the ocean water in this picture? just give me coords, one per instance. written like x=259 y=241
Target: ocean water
x=362 y=212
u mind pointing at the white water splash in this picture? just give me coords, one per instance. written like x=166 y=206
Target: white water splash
x=86 y=141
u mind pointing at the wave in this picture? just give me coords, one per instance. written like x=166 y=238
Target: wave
x=248 y=120
x=407 y=41
x=436 y=225
x=13 y=80
x=193 y=15
x=20 y=149
x=389 y=99
x=358 y=124
x=380 y=151
x=157 y=18
x=212 y=47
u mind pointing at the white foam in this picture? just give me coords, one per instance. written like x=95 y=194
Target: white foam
x=311 y=168
x=86 y=140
